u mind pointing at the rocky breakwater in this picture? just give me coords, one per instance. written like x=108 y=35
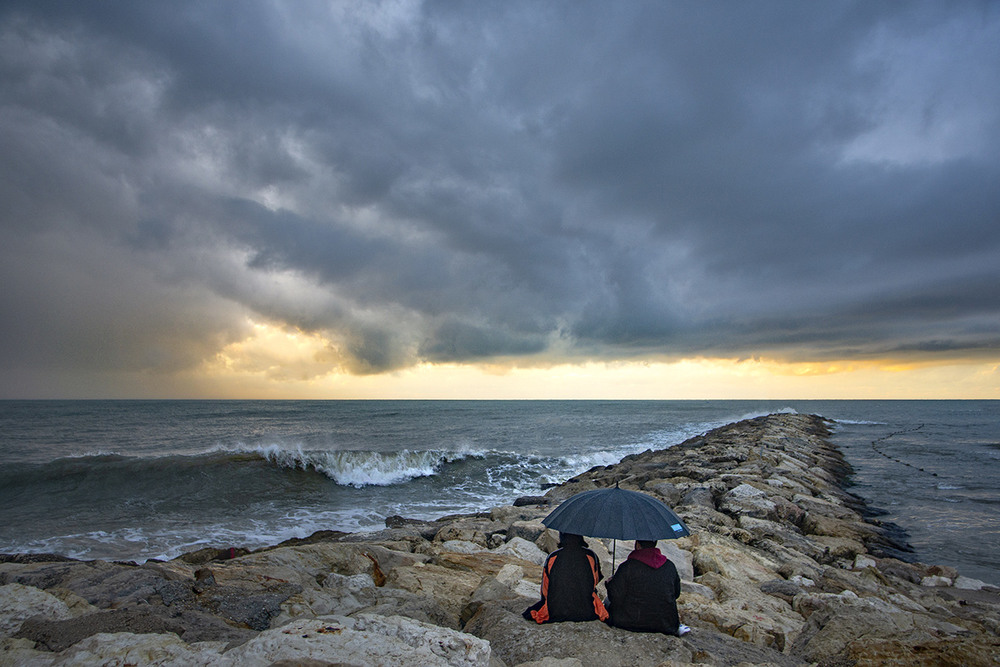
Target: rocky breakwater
x=783 y=567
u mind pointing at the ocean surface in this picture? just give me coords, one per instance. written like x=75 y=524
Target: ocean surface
x=132 y=480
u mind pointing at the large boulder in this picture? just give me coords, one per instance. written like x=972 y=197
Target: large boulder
x=126 y=648
x=18 y=603
x=666 y=490
x=307 y=565
x=743 y=610
x=361 y=640
x=732 y=561
x=528 y=530
x=515 y=641
x=519 y=547
x=339 y=594
x=747 y=500
x=364 y=639
x=839 y=621
x=444 y=588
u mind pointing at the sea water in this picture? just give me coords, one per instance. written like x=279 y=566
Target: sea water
x=132 y=480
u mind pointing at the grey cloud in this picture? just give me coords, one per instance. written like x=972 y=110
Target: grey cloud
x=459 y=341
x=474 y=182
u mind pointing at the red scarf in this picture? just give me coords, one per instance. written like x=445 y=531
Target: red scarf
x=651 y=557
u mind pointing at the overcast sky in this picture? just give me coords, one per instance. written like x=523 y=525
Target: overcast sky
x=493 y=183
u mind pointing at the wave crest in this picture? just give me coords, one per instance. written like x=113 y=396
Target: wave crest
x=362 y=468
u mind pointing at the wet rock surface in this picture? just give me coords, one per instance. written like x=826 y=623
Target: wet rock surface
x=783 y=567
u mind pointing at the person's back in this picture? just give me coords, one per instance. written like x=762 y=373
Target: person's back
x=569 y=576
x=642 y=595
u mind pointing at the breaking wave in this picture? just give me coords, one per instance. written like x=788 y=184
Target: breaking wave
x=361 y=468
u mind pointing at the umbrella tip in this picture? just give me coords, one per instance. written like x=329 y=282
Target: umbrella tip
x=616 y=485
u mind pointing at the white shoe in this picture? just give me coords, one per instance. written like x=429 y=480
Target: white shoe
x=682 y=630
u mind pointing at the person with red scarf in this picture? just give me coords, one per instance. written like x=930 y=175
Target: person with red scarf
x=642 y=594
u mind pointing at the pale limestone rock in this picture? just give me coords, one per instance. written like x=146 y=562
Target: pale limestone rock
x=690 y=587
x=364 y=639
x=507 y=514
x=399 y=602
x=823 y=506
x=340 y=594
x=523 y=549
x=969 y=584
x=682 y=559
x=937 y=626
x=434 y=581
x=18 y=603
x=516 y=641
x=861 y=562
x=935 y=581
x=944 y=571
x=448 y=590
x=905 y=603
x=306 y=565
x=780 y=532
x=699 y=517
x=76 y=604
x=124 y=648
x=846 y=619
x=465 y=530
x=462 y=547
x=745 y=491
x=510 y=575
x=22 y=653
x=488 y=564
x=529 y=530
x=670 y=494
x=765 y=620
x=839 y=547
x=786 y=484
x=732 y=563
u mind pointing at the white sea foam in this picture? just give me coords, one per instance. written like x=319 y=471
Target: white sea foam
x=359 y=468
x=96 y=453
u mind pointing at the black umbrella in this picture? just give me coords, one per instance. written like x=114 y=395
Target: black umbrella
x=618 y=514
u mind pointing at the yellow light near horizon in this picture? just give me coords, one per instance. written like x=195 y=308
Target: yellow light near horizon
x=278 y=362
x=277 y=353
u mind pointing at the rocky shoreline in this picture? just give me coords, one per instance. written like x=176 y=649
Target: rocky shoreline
x=783 y=567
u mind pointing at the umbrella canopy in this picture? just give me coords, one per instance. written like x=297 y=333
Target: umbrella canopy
x=617 y=514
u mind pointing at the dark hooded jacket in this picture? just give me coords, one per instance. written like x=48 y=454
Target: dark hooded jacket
x=642 y=596
x=569 y=577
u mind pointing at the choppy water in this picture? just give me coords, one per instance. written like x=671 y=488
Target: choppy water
x=144 y=479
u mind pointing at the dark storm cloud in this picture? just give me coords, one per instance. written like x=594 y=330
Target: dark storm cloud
x=451 y=182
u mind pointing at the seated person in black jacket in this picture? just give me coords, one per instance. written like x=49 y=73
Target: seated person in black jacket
x=569 y=580
x=642 y=594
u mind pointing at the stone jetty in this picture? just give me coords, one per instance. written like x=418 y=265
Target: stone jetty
x=783 y=567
